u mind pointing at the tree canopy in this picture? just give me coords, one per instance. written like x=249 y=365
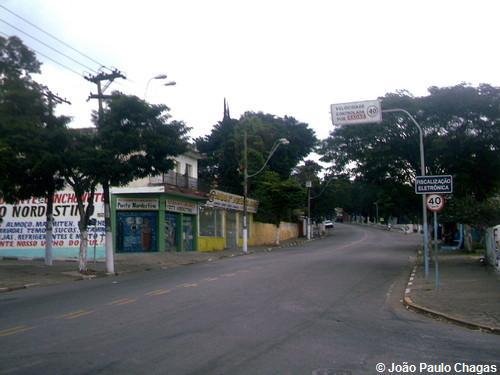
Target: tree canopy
x=136 y=139
x=223 y=166
x=461 y=127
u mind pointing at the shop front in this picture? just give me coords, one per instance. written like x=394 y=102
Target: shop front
x=149 y=221
x=221 y=219
x=180 y=224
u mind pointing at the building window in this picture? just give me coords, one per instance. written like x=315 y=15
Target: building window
x=211 y=222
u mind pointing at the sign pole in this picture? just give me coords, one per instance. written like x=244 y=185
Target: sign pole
x=422 y=172
x=435 y=203
x=436 y=263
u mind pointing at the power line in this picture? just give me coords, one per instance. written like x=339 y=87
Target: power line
x=50 y=58
x=48 y=46
x=52 y=36
x=58 y=63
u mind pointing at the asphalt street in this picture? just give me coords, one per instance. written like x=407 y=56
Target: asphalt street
x=332 y=306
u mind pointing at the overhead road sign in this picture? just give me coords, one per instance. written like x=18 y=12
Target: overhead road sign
x=364 y=112
x=442 y=184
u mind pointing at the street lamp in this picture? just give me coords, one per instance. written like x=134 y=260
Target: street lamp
x=159 y=76
x=422 y=173
x=308 y=230
x=246 y=176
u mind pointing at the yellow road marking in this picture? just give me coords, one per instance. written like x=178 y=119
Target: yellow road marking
x=158 y=292
x=76 y=314
x=210 y=279
x=123 y=301
x=187 y=285
x=14 y=330
x=118 y=301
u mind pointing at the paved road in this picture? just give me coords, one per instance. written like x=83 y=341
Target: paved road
x=330 y=307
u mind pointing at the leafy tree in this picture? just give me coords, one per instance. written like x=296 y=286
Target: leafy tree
x=265 y=129
x=82 y=153
x=222 y=150
x=309 y=171
x=32 y=137
x=277 y=199
x=134 y=140
x=223 y=165
x=332 y=192
x=462 y=134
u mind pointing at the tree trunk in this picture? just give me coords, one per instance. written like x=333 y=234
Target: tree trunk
x=82 y=258
x=82 y=225
x=278 y=234
x=467 y=238
x=108 y=242
x=49 y=229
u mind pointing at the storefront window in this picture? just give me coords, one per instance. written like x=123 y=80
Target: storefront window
x=171 y=242
x=211 y=222
x=136 y=231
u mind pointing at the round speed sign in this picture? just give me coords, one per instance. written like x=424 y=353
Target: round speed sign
x=435 y=202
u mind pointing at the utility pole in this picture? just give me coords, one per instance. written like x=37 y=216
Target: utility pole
x=52 y=98
x=108 y=242
x=245 y=191
x=308 y=229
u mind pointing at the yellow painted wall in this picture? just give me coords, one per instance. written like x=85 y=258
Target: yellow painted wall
x=265 y=234
x=288 y=231
x=206 y=244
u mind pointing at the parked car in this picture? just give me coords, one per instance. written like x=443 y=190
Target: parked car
x=328 y=224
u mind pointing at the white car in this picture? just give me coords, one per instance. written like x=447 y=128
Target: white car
x=328 y=224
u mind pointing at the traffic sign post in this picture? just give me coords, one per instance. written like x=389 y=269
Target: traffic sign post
x=435 y=203
x=371 y=112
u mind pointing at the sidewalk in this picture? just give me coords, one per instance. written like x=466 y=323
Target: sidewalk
x=468 y=293
x=24 y=273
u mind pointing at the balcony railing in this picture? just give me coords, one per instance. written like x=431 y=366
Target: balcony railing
x=178 y=180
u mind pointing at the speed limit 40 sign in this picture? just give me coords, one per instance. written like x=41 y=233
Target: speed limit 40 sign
x=435 y=202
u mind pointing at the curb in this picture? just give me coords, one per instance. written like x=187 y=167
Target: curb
x=90 y=277
x=408 y=302
x=13 y=288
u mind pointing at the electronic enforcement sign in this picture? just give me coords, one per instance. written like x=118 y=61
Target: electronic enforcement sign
x=442 y=184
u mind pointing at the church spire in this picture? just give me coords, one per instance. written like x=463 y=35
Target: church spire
x=226 y=111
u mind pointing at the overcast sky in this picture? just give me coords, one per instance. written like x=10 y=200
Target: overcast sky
x=281 y=57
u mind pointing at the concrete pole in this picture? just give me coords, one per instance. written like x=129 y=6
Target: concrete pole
x=422 y=173
x=309 y=212
x=245 y=191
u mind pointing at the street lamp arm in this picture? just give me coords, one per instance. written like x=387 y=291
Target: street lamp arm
x=281 y=141
x=394 y=110
x=422 y=172
x=159 y=76
x=324 y=187
x=246 y=176
x=420 y=132
x=275 y=147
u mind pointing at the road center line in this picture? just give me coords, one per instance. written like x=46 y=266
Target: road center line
x=158 y=292
x=124 y=301
x=14 y=330
x=76 y=314
x=188 y=285
x=210 y=279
